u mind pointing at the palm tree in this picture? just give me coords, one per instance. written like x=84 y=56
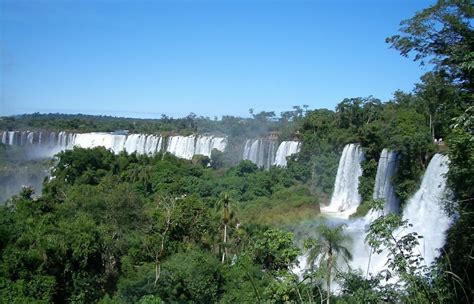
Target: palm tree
x=328 y=248
x=224 y=203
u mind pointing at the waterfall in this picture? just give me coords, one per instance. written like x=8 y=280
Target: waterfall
x=423 y=211
x=346 y=198
x=383 y=188
x=11 y=136
x=23 y=138
x=285 y=149
x=254 y=151
x=153 y=144
x=271 y=154
x=205 y=145
x=133 y=143
x=262 y=152
x=47 y=144
x=52 y=139
x=181 y=146
x=218 y=143
x=106 y=140
x=30 y=137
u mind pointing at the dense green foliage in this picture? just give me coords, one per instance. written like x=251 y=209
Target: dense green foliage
x=443 y=34
x=127 y=226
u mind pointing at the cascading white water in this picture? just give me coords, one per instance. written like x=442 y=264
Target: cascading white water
x=285 y=149
x=134 y=143
x=254 y=151
x=218 y=143
x=153 y=144
x=181 y=146
x=30 y=137
x=52 y=139
x=271 y=154
x=205 y=145
x=383 y=188
x=11 y=136
x=188 y=146
x=48 y=144
x=423 y=211
x=106 y=140
x=262 y=152
x=23 y=138
x=346 y=198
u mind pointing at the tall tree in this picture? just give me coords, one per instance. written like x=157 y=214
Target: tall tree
x=224 y=204
x=328 y=249
x=442 y=35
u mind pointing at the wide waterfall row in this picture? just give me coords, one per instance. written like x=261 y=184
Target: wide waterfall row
x=29 y=138
x=49 y=143
x=262 y=152
x=346 y=198
x=140 y=143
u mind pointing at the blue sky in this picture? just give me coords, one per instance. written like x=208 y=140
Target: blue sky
x=147 y=58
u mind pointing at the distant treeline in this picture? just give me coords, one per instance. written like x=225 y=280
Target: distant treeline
x=255 y=126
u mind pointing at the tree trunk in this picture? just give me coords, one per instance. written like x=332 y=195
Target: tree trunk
x=225 y=244
x=328 y=282
x=157 y=273
x=432 y=127
x=159 y=254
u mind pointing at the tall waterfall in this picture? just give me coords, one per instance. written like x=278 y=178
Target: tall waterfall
x=50 y=143
x=383 y=188
x=254 y=151
x=346 y=198
x=285 y=149
x=423 y=211
x=262 y=152
x=271 y=154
